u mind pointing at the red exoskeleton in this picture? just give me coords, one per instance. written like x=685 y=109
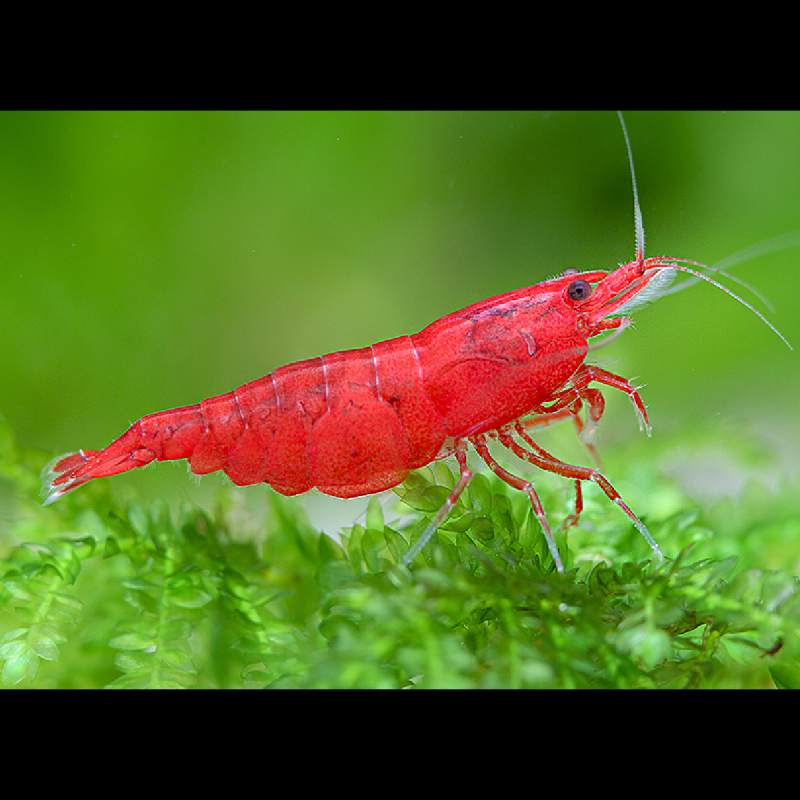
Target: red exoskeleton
x=357 y=422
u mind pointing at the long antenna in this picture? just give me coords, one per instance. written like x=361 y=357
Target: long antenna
x=779 y=242
x=637 y=211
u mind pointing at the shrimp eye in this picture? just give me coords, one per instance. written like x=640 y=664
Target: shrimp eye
x=579 y=290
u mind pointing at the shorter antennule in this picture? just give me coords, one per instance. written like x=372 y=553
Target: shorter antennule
x=678 y=263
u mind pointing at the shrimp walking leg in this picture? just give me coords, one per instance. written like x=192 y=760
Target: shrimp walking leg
x=539 y=457
x=525 y=486
x=441 y=514
x=585 y=429
x=578 y=389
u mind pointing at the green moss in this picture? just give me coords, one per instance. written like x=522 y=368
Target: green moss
x=95 y=595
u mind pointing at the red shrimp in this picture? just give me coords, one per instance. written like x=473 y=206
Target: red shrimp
x=357 y=422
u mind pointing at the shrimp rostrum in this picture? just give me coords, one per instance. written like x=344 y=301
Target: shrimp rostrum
x=357 y=422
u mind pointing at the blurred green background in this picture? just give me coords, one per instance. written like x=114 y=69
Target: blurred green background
x=152 y=259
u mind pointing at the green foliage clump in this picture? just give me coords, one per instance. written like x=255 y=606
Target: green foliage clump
x=92 y=595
